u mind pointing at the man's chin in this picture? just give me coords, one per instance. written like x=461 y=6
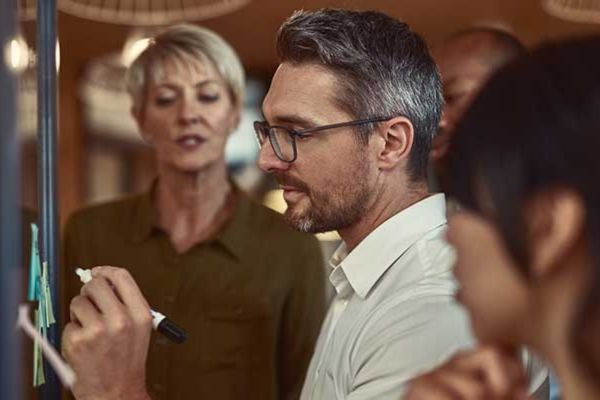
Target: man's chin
x=305 y=223
x=296 y=210
x=298 y=221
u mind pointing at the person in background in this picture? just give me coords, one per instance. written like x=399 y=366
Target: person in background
x=523 y=165
x=466 y=60
x=247 y=289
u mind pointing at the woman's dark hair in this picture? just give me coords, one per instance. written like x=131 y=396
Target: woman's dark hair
x=535 y=127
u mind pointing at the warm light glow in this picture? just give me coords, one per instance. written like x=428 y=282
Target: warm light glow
x=19 y=56
x=16 y=54
x=274 y=200
x=133 y=49
x=57 y=55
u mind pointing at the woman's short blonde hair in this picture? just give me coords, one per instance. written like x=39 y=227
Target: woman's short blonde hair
x=185 y=45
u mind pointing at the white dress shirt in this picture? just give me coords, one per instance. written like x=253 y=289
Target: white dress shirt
x=394 y=315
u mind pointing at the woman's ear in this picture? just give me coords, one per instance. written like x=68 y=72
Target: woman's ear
x=556 y=220
x=396 y=136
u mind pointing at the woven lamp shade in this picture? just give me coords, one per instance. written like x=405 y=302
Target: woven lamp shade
x=148 y=12
x=574 y=10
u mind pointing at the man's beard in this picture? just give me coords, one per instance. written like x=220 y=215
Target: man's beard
x=343 y=205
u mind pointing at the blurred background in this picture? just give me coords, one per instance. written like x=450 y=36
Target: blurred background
x=102 y=155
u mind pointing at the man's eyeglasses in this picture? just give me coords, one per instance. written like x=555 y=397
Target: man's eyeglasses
x=283 y=140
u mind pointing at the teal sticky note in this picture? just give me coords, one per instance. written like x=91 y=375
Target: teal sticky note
x=38 y=362
x=34 y=266
x=46 y=297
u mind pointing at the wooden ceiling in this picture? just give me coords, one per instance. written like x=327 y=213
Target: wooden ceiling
x=252 y=29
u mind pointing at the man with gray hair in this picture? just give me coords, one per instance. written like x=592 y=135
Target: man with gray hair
x=349 y=120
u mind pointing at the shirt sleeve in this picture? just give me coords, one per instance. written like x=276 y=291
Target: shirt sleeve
x=302 y=318
x=406 y=342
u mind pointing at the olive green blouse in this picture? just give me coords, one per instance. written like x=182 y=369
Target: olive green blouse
x=251 y=298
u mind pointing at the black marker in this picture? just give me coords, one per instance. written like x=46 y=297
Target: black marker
x=160 y=323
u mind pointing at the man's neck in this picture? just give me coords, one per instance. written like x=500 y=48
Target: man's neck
x=387 y=204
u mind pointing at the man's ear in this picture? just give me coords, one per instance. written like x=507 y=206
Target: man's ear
x=396 y=137
x=555 y=220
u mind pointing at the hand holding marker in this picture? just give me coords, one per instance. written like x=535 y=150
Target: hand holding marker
x=160 y=323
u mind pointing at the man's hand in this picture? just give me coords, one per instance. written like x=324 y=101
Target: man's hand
x=106 y=341
x=486 y=373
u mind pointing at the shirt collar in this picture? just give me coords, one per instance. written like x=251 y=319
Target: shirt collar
x=143 y=216
x=237 y=233
x=368 y=261
x=338 y=278
x=234 y=236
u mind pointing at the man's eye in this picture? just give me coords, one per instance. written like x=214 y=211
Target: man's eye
x=304 y=136
x=450 y=99
x=453 y=98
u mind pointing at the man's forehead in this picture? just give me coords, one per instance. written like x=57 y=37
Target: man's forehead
x=460 y=67
x=456 y=66
x=472 y=42
x=300 y=89
x=468 y=51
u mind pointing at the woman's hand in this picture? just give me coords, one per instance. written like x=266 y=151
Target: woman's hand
x=486 y=373
x=106 y=341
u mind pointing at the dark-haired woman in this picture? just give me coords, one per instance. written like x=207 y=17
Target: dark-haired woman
x=525 y=166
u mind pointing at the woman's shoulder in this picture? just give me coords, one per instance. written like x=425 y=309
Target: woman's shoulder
x=105 y=213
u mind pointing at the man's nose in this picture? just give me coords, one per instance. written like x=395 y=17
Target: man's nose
x=268 y=160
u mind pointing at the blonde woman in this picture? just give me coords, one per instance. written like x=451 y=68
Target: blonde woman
x=247 y=289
